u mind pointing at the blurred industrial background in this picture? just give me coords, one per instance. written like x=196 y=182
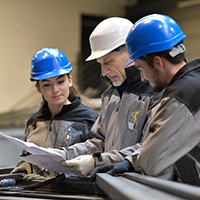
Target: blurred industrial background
x=27 y=26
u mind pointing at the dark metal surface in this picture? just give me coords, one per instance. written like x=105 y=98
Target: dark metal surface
x=129 y=186
x=179 y=189
x=30 y=195
x=118 y=188
x=60 y=187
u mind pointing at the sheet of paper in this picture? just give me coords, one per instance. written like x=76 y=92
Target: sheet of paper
x=40 y=156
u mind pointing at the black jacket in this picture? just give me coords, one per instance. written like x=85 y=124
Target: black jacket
x=70 y=126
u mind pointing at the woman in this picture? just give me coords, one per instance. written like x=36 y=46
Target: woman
x=62 y=119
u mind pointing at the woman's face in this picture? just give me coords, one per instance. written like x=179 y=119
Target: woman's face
x=55 y=90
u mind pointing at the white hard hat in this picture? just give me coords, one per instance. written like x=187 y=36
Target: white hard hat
x=108 y=35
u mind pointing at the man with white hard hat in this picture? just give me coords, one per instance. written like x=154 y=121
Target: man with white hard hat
x=172 y=140
x=125 y=104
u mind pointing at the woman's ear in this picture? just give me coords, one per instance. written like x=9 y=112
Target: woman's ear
x=38 y=87
x=70 y=81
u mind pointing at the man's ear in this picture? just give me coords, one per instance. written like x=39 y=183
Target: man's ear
x=158 y=62
x=38 y=88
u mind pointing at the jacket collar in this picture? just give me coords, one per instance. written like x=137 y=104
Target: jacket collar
x=132 y=74
x=194 y=64
x=134 y=83
x=44 y=111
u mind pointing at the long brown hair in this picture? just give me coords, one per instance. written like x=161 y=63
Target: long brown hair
x=73 y=93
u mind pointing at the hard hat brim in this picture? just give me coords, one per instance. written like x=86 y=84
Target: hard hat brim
x=98 y=54
x=52 y=74
x=129 y=62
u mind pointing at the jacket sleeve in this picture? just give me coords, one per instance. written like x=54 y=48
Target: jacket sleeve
x=133 y=158
x=173 y=132
x=116 y=156
x=95 y=143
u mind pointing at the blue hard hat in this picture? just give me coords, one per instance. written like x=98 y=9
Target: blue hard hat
x=152 y=33
x=47 y=63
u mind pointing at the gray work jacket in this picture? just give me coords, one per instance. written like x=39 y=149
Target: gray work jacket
x=121 y=121
x=175 y=128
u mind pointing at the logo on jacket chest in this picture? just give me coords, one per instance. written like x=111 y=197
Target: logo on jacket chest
x=136 y=115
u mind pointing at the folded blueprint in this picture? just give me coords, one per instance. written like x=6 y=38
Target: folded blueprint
x=39 y=156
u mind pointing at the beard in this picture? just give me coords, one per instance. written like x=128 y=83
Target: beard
x=158 y=85
x=158 y=88
x=118 y=82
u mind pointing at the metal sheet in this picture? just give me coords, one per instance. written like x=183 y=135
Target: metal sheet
x=118 y=188
x=179 y=189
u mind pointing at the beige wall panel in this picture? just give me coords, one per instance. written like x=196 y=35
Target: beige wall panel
x=189 y=20
x=29 y=25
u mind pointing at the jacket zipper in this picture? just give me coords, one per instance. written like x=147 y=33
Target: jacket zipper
x=51 y=120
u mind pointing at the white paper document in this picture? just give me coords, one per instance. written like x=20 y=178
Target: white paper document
x=39 y=156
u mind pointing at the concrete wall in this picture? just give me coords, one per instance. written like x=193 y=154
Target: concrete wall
x=29 y=25
x=9 y=153
x=26 y=26
x=188 y=17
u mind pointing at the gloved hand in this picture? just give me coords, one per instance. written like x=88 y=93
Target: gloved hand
x=22 y=167
x=44 y=171
x=34 y=177
x=112 y=169
x=62 y=152
x=81 y=166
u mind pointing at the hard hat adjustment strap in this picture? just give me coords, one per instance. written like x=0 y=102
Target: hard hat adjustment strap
x=177 y=50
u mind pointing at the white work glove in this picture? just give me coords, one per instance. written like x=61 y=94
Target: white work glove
x=81 y=166
x=62 y=152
